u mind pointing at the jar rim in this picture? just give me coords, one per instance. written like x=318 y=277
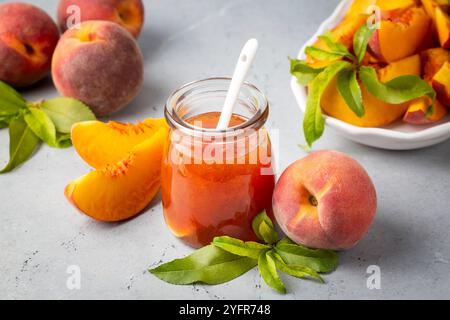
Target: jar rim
x=255 y=122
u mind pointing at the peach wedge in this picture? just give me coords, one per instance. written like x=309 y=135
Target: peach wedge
x=121 y=190
x=100 y=144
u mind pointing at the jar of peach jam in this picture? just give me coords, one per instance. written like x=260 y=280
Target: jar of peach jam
x=214 y=182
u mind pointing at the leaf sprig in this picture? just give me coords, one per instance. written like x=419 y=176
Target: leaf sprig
x=227 y=258
x=31 y=123
x=347 y=68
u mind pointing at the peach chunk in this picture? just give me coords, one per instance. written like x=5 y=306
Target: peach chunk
x=28 y=37
x=121 y=190
x=431 y=5
x=388 y=43
x=417 y=112
x=433 y=60
x=100 y=144
x=128 y=13
x=362 y=6
x=100 y=64
x=443 y=27
x=326 y=200
x=343 y=33
x=441 y=83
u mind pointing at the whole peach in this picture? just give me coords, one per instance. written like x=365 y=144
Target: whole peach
x=128 y=13
x=100 y=64
x=326 y=200
x=28 y=37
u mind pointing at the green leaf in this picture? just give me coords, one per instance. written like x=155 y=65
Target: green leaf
x=41 y=125
x=398 y=90
x=5 y=120
x=264 y=228
x=238 y=247
x=336 y=47
x=350 y=91
x=320 y=260
x=303 y=72
x=22 y=144
x=10 y=100
x=268 y=271
x=323 y=55
x=294 y=270
x=314 y=123
x=209 y=265
x=63 y=141
x=360 y=41
x=64 y=112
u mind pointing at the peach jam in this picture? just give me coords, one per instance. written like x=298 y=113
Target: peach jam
x=214 y=182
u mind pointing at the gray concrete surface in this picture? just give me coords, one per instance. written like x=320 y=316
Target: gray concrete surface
x=183 y=40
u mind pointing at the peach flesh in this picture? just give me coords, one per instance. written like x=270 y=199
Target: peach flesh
x=326 y=200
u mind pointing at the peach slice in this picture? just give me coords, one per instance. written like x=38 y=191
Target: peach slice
x=441 y=83
x=443 y=27
x=122 y=190
x=100 y=144
x=388 y=43
x=416 y=113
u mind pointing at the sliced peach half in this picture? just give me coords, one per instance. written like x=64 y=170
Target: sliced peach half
x=121 y=190
x=100 y=144
x=401 y=35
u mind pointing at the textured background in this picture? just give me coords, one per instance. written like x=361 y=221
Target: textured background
x=183 y=40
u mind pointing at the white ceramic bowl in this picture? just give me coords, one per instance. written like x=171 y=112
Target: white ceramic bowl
x=397 y=136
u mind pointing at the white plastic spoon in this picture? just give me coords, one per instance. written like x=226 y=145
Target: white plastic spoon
x=240 y=73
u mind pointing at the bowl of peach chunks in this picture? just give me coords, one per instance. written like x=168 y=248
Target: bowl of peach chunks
x=378 y=72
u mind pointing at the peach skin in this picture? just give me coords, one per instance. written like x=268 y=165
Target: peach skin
x=127 y=13
x=28 y=37
x=100 y=64
x=326 y=200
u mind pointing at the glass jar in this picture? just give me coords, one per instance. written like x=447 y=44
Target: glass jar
x=214 y=182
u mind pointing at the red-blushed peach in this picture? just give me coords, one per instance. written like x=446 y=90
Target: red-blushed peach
x=325 y=200
x=28 y=37
x=128 y=13
x=100 y=64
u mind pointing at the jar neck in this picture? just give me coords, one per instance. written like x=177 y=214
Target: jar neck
x=208 y=95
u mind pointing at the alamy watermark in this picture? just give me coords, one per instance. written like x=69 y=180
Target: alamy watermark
x=374 y=279
x=73 y=282
x=73 y=20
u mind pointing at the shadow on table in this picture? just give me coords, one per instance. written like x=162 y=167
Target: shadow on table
x=105 y=226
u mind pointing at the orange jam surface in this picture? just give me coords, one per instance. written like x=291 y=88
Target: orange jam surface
x=203 y=200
